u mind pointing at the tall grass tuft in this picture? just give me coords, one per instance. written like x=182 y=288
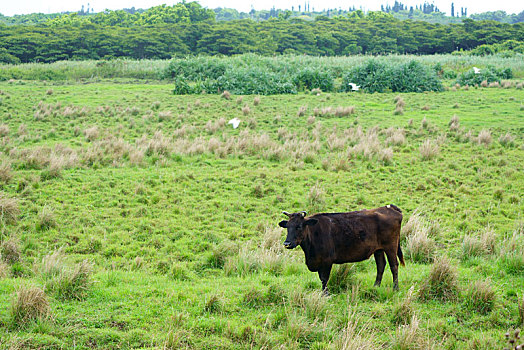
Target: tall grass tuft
x=404 y=310
x=410 y=337
x=46 y=219
x=29 y=304
x=353 y=338
x=316 y=197
x=484 y=137
x=9 y=210
x=429 y=150
x=442 y=283
x=419 y=246
x=5 y=171
x=511 y=252
x=342 y=278
x=10 y=251
x=480 y=297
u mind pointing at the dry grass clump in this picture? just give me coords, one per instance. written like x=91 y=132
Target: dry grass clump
x=256 y=101
x=4 y=130
x=212 y=127
x=366 y=145
x=424 y=123
x=400 y=102
x=494 y=84
x=353 y=339
x=454 y=123
x=324 y=111
x=505 y=140
x=9 y=210
x=316 y=91
x=385 y=155
x=10 y=251
x=442 y=282
x=484 y=137
x=481 y=297
x=213 y=304
x=46 y=218
x=4 y=269
x=22 y=130
x=316 y=197
x=429 y=150
x=404 y=311
x=425 y=108
x=5 y=171
x=311 y=120
x=155 y=105
x=506 y=84
x=395 y=136
x=480 y=244
x=334 y=142
x=417 y=232
x=164 y=115
x=246 y=110
x=411 y=337
x=226 y=95
x=239 y=100
x=68 y=282
x=49 y=92
x=344 y=111
x=91 y=133
x=313 y=303
x=302 y=111
x=511 y=252
x=342 y=278
x=29 y=304
x=398 y=111
x=484 y=83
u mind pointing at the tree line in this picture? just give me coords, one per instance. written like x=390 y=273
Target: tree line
x=189 y=33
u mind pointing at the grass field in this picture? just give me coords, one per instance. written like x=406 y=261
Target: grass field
x=149 y=222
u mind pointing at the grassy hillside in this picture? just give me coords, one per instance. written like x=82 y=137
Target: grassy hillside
x=149 y=222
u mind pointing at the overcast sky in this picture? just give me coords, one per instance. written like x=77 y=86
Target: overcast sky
x=9 y=8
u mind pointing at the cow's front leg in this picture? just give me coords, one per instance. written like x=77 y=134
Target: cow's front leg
x=324 y=273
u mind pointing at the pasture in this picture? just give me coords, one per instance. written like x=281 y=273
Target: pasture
x=149 y=222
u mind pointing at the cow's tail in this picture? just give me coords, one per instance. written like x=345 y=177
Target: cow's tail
x=400 y=255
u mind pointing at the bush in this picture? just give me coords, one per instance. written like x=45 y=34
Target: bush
x=309 y=79
x=375 y=76
x=489 y=75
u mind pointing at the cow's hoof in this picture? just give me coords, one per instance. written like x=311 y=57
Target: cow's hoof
x=325 y=293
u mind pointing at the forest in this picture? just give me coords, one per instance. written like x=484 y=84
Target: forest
x=166 y=32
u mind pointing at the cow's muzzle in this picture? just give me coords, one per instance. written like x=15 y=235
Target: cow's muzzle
x=289 y=245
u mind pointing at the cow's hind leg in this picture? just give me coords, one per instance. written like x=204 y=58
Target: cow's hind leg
x=380 y=260
x=393 y=265
x=324 y=273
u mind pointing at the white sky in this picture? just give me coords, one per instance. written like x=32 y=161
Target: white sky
x=9 y=7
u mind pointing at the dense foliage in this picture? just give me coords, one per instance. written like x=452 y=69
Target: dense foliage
x=252 y=74
x=108 y=36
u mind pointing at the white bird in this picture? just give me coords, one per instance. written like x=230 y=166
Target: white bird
x=235 y=122
x=476 y=70
x=354 y=87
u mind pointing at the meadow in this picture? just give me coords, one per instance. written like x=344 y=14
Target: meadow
x=134 y=218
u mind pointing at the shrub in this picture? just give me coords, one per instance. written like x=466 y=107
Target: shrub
x=30 y=303
x=375 y=76
x=486 y=75
x=480 y=297
x=309 y=78
x=441 y=283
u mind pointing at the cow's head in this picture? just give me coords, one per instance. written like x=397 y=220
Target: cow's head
x=295 y=228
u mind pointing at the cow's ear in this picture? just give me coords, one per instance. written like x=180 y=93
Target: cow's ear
x=283 y=223
x=310 y=222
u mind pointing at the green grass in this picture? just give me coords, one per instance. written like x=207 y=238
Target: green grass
x=180 y=226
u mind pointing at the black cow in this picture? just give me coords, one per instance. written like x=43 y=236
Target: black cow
x=338 y=238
